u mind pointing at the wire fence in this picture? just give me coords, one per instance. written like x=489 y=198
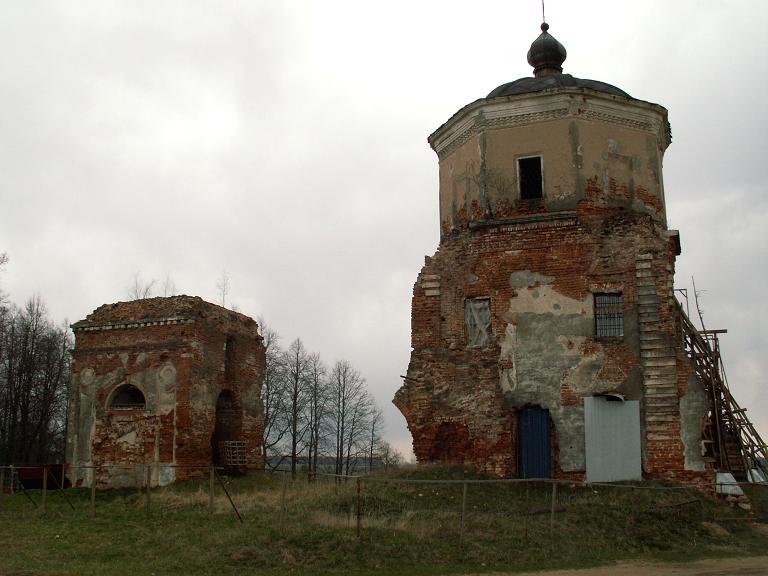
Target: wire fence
x=460 y=509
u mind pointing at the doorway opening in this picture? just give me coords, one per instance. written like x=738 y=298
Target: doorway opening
x=228 y=450
x=534 y=443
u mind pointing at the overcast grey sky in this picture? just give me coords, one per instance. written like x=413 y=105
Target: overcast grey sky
x=285 y=142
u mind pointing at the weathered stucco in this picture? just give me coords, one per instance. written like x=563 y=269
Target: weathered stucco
x=693 y=411
x=181 y=353
x=579 y=134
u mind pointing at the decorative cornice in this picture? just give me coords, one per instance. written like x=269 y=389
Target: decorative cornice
x=528 y=222
x=533 y=108
x=127 y=325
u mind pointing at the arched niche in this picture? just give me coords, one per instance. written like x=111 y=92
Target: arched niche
x=227 y=427
x=127 y=397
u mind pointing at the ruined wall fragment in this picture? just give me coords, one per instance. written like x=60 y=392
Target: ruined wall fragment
x=181 y=354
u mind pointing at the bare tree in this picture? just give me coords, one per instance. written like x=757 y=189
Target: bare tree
x=390 y=457
x=376 y=419
x=34 y=371
x=349 y=410
x=273 y=394
x=223 y=288
x=362 y=409
x=140 y=289
x=316 y=410
x=169 y=286
x=297 y=383
x=3 y=262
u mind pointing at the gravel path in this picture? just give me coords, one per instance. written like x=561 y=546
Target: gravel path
x=754 y=566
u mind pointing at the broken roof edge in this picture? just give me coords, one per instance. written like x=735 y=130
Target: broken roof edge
x=160 y=310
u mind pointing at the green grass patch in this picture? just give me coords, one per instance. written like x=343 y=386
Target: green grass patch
x=407 y=525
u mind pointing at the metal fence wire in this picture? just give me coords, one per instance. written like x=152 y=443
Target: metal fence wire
x=460 y=510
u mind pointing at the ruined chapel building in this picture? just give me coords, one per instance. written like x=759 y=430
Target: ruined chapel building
x=170 y=382
x=547 y=341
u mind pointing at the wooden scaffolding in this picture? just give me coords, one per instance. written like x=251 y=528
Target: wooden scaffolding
x=730 y=440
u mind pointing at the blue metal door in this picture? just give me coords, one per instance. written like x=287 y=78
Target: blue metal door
x=534 y=448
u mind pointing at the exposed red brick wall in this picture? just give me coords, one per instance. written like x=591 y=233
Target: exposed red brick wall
x=175 y=351
x=453 y=400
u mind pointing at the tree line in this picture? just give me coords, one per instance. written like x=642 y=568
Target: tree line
x=318 y=418
x=34 y=374
x=315 y=417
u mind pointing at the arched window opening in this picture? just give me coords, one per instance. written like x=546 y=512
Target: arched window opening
x=127 y=397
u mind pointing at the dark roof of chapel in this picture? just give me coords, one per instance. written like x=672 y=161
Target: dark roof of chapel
x=530 y=85
x=547 y=55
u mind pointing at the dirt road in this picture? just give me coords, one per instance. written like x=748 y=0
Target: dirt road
x=755 y=566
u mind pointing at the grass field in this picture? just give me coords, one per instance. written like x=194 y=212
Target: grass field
x=407 y=526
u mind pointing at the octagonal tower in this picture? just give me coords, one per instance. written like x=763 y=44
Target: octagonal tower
x=544 y=329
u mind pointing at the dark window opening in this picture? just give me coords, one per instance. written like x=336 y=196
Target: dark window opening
x=127 y=397
x=529 y=172
x=229 y=359
x=609 y=315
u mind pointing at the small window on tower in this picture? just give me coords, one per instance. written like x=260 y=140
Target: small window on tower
x=529 y=175
x=477 y=318
x=609 y=315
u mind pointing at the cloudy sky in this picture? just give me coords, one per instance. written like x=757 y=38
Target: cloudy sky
x=284 y=143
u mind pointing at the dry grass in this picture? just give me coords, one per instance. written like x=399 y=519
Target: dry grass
x=296 y=527
x=410 y=521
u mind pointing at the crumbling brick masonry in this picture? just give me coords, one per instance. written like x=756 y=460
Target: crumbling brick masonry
x=545 y=333
x=169 y=382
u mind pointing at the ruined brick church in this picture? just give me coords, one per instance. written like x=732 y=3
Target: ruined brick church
x=161 y=389
x=547 y=341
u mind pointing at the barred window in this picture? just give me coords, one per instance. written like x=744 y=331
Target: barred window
x=609 y=315
x=477 y=317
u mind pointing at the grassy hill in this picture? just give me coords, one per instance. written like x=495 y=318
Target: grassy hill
x=410 y=523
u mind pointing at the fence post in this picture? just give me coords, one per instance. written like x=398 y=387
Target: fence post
x=93 y=492
x=282 y=500
x=552 y=512
x=11 y=480
x=45 y=486
x=463 y=514
x=527 y=505
x=211 y=478
x=148 y=474
x=359 y=506
x=2 y=482
x=231 y=502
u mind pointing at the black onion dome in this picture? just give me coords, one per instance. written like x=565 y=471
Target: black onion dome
x=546 y=52
x=547 y=56
x=553 y=81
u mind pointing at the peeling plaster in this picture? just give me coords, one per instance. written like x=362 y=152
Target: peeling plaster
x=129 y=437
x=545 y=339
x=526 y=279
x=693 y=410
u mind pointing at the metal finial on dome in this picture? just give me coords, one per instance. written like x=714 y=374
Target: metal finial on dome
x=546 y=54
